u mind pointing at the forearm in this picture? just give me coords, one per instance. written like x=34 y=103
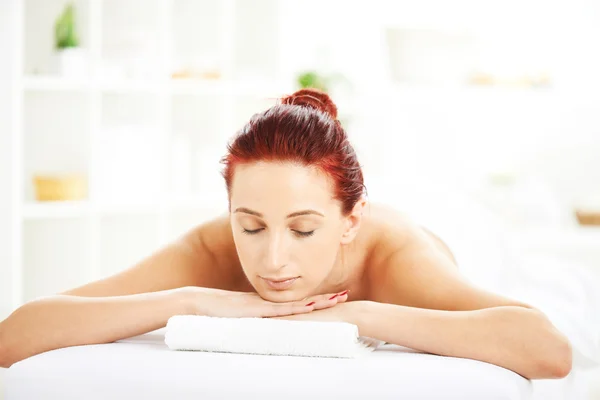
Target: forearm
x=516 y=338
x=61 y=321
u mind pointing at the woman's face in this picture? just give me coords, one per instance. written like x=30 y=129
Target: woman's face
x=287 y=228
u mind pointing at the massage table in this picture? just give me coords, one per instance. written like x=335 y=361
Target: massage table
x=144 y=367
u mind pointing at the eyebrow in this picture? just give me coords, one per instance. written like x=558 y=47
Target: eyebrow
x=294 y=214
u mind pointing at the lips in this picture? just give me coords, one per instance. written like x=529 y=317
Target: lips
x=280 y=284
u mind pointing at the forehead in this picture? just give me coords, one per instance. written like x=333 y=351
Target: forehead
x=265 y=185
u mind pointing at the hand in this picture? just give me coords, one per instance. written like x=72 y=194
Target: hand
x=350 y=312
x=225 y=303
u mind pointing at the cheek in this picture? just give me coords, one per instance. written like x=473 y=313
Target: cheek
x=244 y=249
x=314 y=247
x=316 y=257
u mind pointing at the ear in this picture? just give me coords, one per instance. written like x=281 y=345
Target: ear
x=352 y=222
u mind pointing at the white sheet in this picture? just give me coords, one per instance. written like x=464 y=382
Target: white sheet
x=144 y=367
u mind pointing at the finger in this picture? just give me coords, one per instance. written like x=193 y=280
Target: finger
x=282 y=309
x=329 y=300
x=342 y=298
x=326 y=304
x=326 y=297
x=312 y=303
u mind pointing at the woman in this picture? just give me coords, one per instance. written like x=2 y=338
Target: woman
x=300 y=242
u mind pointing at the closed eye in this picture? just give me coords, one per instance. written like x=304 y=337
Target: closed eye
x=299 y=233
x=255 y=231
x=304 y=234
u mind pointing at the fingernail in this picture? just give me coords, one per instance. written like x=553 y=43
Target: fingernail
x=310 y=304
x=333 y=297
x=343 y=293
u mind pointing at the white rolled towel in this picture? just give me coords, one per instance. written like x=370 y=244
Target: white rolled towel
x=267 y=336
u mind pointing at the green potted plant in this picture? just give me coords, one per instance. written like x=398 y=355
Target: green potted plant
x=312 y=79
x=336 y=85
x=70 y=56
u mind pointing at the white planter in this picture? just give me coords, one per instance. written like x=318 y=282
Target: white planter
x=72 y=62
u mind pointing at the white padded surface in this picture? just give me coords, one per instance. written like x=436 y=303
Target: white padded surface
x=144 y=367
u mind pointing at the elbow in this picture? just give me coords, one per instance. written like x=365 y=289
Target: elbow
x=4 y=356
x=8 y=355
x=4 y=362
x=554 y=358
x=559 y=363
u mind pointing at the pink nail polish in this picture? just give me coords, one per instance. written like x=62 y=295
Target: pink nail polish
x=310 y=304
x=343 y=293
x=333 y=297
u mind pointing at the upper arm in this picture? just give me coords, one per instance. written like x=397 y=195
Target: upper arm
x=421 y=275
x=187 y=261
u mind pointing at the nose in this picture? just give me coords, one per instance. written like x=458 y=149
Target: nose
x=277 y=252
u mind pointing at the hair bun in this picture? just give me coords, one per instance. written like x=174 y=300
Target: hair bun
x=313 y=98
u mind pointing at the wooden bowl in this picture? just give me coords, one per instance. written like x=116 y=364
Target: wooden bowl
x=60 y=188
x=588 y=217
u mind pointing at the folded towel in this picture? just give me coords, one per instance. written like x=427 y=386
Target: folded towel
x=267 y=336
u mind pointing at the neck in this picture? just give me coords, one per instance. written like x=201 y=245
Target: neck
x=351 y=265
x=345 y=274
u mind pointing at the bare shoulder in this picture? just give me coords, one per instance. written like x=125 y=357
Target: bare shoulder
x=203 y=256
x=217 y=240
x=394 y=230
x=395 y=235
x=417 y=269
x=390 y=230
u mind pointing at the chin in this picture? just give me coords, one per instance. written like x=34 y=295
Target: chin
x=277 y=297
x=280 y=296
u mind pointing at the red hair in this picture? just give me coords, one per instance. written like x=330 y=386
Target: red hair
x=302 y=128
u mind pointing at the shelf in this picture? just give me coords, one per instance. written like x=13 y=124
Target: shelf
x=54 y=84
x=578 y=237
x=84 y=208
x=172 y=205
x=214 y=87
x=174 y=87
x=465 y=95
x=128 y=86
x=253 y=86
x=126 y=102
x=59 y=209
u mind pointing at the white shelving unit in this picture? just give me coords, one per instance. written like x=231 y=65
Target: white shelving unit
x=120 y=129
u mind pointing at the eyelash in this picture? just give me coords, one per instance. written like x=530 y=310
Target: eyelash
x=254 y=232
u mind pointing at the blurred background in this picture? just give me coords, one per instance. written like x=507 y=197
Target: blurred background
x=114 y=115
